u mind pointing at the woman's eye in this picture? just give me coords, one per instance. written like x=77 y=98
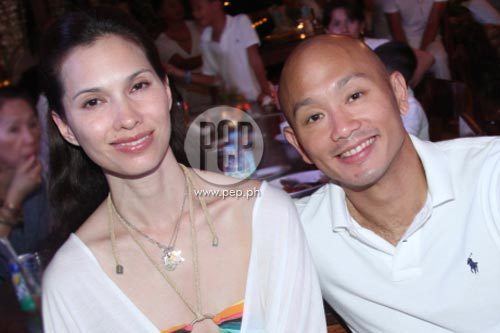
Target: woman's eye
x=91 y=103
x=355 y=96
x=140 y=85
x=14 y=129
x=314 y=118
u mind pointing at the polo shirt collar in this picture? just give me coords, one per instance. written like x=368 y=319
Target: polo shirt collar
x=437 y=171
x=439 y=182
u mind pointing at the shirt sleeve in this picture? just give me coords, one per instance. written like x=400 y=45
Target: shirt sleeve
x=246 y=32
x=56 y=314
x=390 y=6
x=165 y=49
x=290 y=292
x=209 y=66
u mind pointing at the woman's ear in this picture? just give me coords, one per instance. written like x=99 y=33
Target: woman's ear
x=166 y=85
x=64 y=129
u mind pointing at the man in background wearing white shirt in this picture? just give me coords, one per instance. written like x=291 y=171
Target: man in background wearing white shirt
x=230 y=52
x=398 y=56
x=406 y=237
x=417 y=23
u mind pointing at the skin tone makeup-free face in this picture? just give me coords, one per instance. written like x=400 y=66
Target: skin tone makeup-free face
x=116 y=107
x=19 y=133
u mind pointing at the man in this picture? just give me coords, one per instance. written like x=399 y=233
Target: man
x=406 y=238
x=397 y=56
x=230 y=51
x=417 y=23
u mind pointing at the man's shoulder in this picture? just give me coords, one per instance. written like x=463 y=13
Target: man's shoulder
x=471 y=160
x=240 y=20
x=484 y=144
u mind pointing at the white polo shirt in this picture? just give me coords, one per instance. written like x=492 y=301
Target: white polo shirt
x=426 y=283
x=414 y=16
x=228 y=58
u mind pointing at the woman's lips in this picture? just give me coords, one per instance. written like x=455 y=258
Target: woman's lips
x=135 y=144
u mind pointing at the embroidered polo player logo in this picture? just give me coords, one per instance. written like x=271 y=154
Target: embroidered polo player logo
x=473 y=265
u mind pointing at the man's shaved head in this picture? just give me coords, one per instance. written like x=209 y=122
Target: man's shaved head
x=344 y=109
x=310 y=64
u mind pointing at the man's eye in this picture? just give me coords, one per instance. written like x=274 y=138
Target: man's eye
x=91 y=103
x=355 y=96
x=140 y=85
x=314 y=118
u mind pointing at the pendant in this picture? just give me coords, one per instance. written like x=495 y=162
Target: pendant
x=171 y=258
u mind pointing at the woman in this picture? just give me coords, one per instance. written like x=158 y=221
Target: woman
x=347 y=18
x=179 y=45
x=151 y=256
x=23 y=203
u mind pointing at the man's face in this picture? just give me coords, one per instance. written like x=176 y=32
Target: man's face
x=203 y=11
x=345 y=112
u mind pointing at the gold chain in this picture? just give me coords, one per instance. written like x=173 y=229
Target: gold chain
x=195 y=310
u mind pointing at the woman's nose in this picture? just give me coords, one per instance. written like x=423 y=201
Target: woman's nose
x=127 y=116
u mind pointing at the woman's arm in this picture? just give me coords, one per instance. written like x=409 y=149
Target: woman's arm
x=432 y=27
x=257 y=65
x=425 y=60
x=190 y=77
x=394 y=20
x=26 y=179
x=186 y=63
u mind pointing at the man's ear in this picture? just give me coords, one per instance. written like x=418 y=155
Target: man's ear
x=400 y=89
x=64 y=129
x=292 y=139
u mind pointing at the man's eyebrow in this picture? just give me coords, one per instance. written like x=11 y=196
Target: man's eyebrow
x=97 y=89
x=338 y=85
x=343 y=81
x=304 y=102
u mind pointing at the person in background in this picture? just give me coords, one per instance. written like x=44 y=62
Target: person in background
x=344 y=17
x=142 y=251
x=398 y=56
x=417 y=23
x=24 y=217
x=483 y=11
x=230 y=53
x=179 y=45
x=407 y=229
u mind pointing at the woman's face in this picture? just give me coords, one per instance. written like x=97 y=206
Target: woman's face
x=19 y=132
x=340 y=24
x=116 y=106
x=173 y=10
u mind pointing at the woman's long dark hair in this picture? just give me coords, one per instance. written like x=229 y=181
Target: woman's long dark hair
x=76 y=184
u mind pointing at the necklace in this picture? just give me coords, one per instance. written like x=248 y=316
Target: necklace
x=171 y=256
x=196 y=309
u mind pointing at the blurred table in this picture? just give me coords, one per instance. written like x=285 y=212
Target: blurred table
x=12 y=319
